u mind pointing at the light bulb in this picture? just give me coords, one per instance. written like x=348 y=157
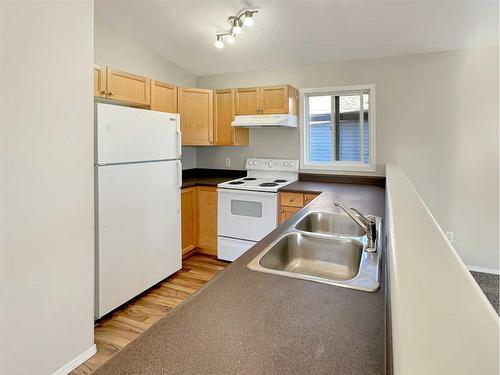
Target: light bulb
x=219 y=43
x=236 y=29
x=248 y=21
x=230 y=38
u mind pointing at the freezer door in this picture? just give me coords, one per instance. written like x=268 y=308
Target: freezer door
x=138 y=230
x=125 y=134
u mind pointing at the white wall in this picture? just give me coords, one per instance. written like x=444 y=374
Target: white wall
x=441 y=322
x=46 y=189
x=114 y=49
x=437 y=116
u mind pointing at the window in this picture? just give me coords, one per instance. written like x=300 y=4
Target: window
x=339 y=128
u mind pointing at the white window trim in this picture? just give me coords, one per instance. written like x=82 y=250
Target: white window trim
x=338 y=165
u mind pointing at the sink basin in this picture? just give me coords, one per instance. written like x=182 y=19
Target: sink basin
x=334 y=259
x=330 y=223
x=324 y=247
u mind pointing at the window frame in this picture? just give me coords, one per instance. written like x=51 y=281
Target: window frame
x=347 y=166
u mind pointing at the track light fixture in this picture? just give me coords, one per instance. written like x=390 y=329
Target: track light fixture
x=244 y=18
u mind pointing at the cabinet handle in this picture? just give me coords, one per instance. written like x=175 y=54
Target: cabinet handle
x=290 y=199
x=102 y=92
x=282 y=211
x=110 y=93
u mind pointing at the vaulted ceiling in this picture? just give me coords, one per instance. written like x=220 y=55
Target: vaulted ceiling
x=295 y=32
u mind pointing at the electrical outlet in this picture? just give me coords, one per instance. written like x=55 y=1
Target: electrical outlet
x=228 y=162
x=450 y=236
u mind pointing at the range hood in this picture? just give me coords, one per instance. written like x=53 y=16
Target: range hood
x=265 y=121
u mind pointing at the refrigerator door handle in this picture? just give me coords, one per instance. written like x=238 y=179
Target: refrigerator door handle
x=179 y=185
x=179 y=137
x=179 y=173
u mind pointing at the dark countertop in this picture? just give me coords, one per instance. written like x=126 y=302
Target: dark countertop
x=209 y=177
x=248 y=322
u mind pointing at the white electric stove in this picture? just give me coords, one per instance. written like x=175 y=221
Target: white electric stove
x=248 y=206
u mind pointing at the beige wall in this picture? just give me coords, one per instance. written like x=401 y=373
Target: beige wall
x=437 y=116
x=113 y=49
x=46 y=189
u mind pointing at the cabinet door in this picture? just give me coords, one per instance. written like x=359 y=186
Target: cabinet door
x=287 y=212
x=247 y=101
x=128 y=87
x=99 y=81
x=189 y=219
x=207 y=219
x=163 y=97
x=308 y=197
x=274 y=99
x=196 y=112
x=224 y=133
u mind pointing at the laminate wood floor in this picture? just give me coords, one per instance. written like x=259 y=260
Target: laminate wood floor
x=123 y=325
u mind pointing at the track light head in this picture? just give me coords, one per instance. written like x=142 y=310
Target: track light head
x=218 y=42
x=236 y=24
x=247 y=18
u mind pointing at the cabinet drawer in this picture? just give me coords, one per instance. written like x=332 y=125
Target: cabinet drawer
x=292 y=199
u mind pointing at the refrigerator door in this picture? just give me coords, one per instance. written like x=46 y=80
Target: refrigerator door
x=138 y=229
x=127 y=134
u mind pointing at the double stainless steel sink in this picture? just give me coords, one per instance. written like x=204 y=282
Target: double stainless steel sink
x=325 y=247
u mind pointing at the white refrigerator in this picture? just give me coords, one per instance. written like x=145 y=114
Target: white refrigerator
x=138 y=177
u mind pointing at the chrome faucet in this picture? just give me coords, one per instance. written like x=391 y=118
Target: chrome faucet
x=368 y=224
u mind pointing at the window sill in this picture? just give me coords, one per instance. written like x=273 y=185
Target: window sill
x=339 y=167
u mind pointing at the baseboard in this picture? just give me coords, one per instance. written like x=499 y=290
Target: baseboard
x=70 y=366
x=483 y=270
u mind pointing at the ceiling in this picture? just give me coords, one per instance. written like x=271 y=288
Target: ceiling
x=296 y=32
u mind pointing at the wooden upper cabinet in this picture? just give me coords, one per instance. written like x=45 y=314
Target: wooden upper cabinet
x=279 y=99
x=128 y=87
x=99 y=81
x=266 y=100
x=224 y=133
x=274 y=99
x=163 y=97
x=247 y=101
x=196 y=111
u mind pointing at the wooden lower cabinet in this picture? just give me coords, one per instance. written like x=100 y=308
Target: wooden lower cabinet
x=199 y=219
x=207 y=219
x=291 y=203
x=287 y=212
x=189 y=209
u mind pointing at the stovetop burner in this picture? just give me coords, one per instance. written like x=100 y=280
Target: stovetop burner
x=265 y=184
x=280 y=181
x=249 y=179
x=236 y=182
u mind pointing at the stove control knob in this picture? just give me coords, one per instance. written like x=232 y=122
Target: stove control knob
x=286 y=164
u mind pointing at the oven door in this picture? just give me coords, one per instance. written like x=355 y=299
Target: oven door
x=246 y=215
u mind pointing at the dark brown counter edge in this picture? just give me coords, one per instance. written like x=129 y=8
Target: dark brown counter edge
x=343 y=179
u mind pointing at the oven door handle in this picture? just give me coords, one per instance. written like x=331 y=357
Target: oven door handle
x=247 y=192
